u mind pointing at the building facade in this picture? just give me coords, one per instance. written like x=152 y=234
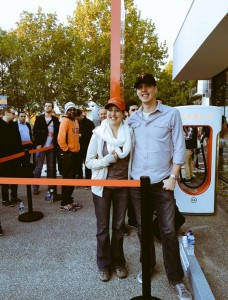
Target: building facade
x=201 y=53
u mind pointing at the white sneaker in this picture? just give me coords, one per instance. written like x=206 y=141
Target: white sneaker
x=182 y=292
x=139 y=276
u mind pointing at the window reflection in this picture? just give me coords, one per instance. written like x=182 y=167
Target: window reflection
x=223 y=147
x=194 y=172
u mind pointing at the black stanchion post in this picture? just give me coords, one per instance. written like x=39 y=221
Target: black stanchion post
x=145 y=241
x=56 y=196
x=54 y=171
x=31 y=215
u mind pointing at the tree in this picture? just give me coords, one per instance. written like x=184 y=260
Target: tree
x=173 y=93
x=91 y=22
x=39 y=58
x=42 y=60
x=46 y=63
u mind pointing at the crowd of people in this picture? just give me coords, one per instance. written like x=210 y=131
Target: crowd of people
x=130 y=142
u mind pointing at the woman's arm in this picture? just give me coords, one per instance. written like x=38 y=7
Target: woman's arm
x=94 y=159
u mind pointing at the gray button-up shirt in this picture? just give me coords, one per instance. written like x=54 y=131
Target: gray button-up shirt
x=159 y=142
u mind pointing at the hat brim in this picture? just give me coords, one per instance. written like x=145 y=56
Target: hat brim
x=113 y=104
x=136 y=85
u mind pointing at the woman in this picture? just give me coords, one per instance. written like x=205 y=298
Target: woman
x=108 y=157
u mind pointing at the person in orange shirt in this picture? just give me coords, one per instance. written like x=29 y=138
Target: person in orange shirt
x=68 y=140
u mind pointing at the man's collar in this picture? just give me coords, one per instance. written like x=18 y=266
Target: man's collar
x=19 y=122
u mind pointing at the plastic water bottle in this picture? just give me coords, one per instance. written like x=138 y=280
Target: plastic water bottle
x=48 y=197
x=185 y=240
x=191 y=243
x=21 y=208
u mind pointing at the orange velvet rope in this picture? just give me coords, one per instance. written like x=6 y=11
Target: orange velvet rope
x=10 y=157
x=70 y=182
x=58 y=182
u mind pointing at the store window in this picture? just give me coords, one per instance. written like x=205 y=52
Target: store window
x=219 y=97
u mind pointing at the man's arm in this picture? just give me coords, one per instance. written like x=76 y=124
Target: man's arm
x=170 y=183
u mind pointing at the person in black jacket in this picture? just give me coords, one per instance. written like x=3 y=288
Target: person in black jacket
x=191 y=134
x=45 y=134
x=10 y=144
x=86 y=127
x=27 y=142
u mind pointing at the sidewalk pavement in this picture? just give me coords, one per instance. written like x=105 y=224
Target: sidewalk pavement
x=55 y=258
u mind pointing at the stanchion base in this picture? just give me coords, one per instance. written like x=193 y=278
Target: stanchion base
x=145 y=298
x=31 y=216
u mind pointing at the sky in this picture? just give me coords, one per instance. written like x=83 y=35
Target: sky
x=167 y=15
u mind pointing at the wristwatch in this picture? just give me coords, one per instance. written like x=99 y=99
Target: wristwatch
x=173 y=176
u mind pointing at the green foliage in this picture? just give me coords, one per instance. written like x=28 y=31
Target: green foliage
x=43 y=60
x=173 y=93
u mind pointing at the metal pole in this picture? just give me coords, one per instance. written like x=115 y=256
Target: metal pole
x=145 y=240
x=31 y=215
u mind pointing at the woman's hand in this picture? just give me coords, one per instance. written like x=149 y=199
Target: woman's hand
x=115 y=155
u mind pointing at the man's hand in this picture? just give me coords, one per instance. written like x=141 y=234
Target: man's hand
x=169 y=184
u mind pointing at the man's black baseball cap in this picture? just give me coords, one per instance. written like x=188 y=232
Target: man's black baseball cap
x=145 y=78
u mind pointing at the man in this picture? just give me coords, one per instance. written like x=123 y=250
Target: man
x=86 y=127
x=191 y=135
x=25 y=131
x=68 y=139
x=130 y=108
x=159 y=153
x=26 y=139
x=10 y=144
x=45 y=134
x=102 y=114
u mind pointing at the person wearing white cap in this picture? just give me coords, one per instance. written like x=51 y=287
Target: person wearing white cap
x=68 y=140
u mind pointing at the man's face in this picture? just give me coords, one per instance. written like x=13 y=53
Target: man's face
x=102 y=114
x=132 y=109
x=22 y=117
x=48 y=107
x=11 y=114
x=79 y=118
x=71 y=113
x=147 y=93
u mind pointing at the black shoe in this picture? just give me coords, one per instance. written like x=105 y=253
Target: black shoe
x=57 y=197
x=35 y=192
x=187 y=180
x=1 y=231
x=132 y=224
x=15 y=200
x=7 y=203
x=121 y=272
x=104 y=275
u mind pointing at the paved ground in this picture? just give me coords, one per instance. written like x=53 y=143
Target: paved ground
x=54 y=258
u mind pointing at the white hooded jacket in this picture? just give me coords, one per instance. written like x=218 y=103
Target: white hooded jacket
x=99 y=163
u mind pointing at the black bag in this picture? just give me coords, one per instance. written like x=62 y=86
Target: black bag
x=179 y=221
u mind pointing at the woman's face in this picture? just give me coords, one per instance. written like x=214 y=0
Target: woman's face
x=114 y=115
